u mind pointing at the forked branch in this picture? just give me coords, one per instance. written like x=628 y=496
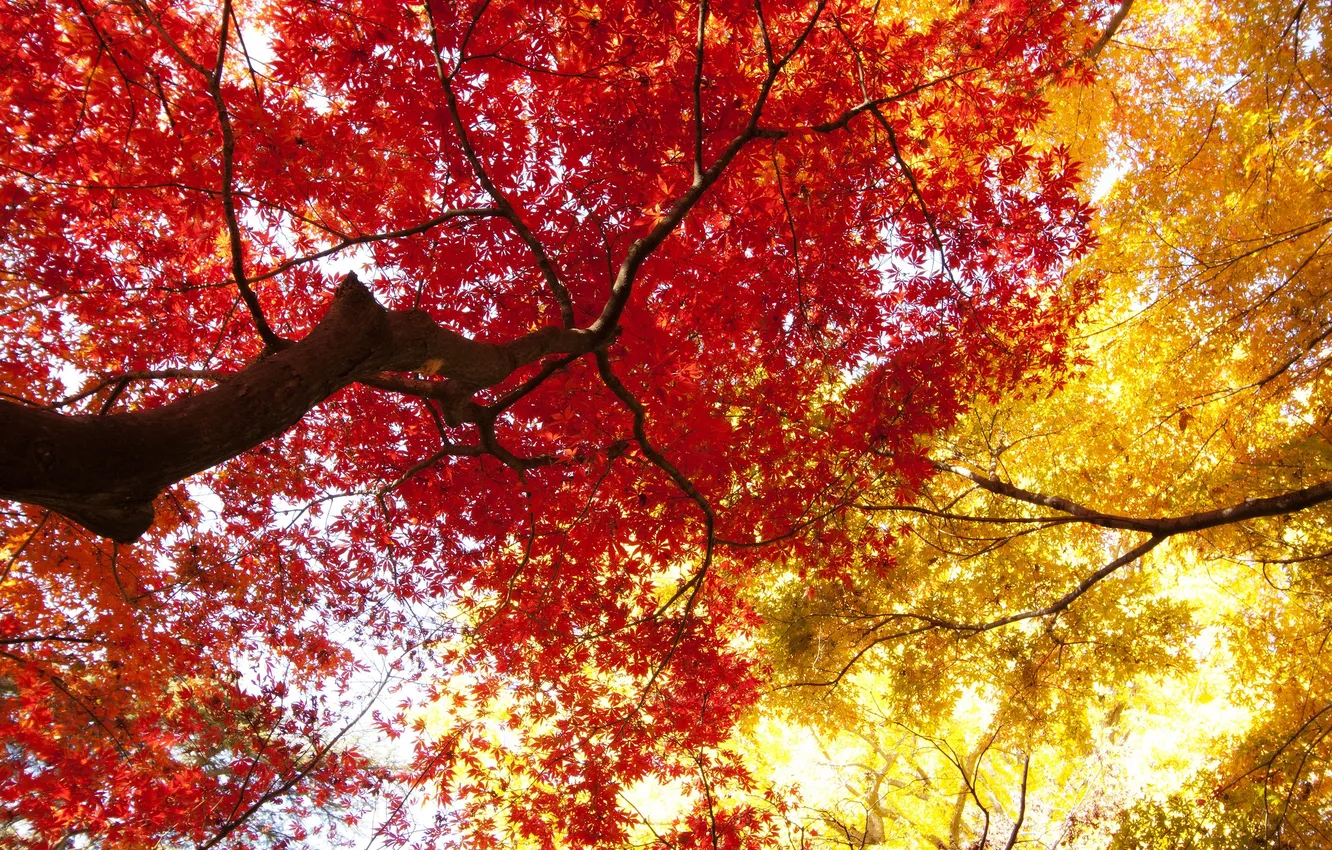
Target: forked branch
x=103 y=472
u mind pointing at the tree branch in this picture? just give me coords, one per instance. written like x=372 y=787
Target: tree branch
x=1116 y=21
x=349 y=241
x=640 y=250
x=1022 y=802
x=698 y=89
x=103 y=472
x=1286 y=503
x=504 y=208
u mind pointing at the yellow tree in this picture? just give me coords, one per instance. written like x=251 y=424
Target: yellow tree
x=1105 y=619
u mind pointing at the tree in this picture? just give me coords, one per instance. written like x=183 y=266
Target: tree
x=651 y=292
x=1043 y=654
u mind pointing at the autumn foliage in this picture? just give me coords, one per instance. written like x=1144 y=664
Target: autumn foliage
x=450 y=376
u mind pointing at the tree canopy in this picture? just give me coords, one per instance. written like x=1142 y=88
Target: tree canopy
x=711 y=424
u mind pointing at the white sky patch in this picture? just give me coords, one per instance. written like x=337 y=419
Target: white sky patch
x=1107 y=179
x=258 y=45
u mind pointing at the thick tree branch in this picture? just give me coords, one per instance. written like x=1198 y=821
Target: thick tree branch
x=103 y=472
x=1158 y=530
x=1286 y=503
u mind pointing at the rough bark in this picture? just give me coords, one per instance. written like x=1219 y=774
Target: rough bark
x=104 y=472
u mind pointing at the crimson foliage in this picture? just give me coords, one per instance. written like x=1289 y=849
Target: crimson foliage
x=781 y=243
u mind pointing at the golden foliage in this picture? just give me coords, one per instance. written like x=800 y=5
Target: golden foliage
x=1185 y=697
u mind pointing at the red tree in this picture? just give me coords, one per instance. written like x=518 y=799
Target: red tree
x=650 y=292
